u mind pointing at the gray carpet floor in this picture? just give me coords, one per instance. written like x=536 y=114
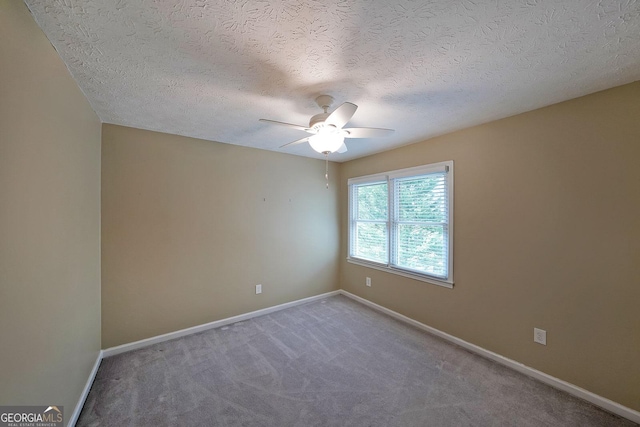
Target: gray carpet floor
x=332 y=362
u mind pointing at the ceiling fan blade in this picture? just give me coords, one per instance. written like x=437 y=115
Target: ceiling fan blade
x=299 y=141
x=341 y=115
x=342 y=149
x=367 y=132
x=304 y=128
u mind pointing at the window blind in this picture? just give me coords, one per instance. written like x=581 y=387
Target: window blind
x=420 y=224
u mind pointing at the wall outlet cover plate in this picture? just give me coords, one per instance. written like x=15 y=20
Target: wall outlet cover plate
x=540 y=336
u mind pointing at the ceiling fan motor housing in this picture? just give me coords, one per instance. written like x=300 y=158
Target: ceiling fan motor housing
x=317 y=121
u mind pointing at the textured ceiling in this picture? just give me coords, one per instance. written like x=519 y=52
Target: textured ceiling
x=210 y=69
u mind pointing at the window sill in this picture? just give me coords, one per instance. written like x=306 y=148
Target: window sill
x=403 y=273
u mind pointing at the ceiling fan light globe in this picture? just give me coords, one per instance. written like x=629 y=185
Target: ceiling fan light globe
x=326 y=143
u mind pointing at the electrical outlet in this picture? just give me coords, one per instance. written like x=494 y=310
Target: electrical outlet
x=540 y=336
x=368 y=281
x=258 y=289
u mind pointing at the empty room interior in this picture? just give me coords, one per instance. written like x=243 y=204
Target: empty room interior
x=303 y=213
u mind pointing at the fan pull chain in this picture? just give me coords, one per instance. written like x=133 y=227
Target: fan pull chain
x=326 y=168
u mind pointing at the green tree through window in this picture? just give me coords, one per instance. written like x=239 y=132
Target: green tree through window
x=372 y=212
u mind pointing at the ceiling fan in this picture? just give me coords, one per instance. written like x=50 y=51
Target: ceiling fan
x=326 y=129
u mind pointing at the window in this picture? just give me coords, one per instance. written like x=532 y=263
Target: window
x=402 y=222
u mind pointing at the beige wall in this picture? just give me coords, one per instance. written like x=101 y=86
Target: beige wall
x=49 y=221
x=189 y=227
x=547 y=234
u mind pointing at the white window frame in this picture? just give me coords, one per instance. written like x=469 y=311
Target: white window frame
x=388 y=177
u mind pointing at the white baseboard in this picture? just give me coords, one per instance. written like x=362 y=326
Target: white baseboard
x=602 y=402
x=218 y=323
x=85 y=392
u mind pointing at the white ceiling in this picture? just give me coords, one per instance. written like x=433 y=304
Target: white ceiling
x=210 y=69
